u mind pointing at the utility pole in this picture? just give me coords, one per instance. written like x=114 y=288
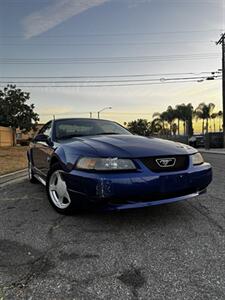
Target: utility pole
x=222 y=42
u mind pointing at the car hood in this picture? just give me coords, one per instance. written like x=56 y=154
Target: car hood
x=128 y=146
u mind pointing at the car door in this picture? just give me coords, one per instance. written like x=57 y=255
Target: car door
x=42 y=151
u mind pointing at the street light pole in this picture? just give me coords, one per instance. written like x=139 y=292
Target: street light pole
x=222 y=42
x=108 y=107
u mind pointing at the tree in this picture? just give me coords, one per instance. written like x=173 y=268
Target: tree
x=144 y=127
x=220 y=116
x=140 y=127
x=204 y=112
x=156 y=126
x=174 y=128
x=213 y=117
x=165 y=117
x=14 y=110
x=199 y=115
x=188 y=112
x=170 y=116
x=184 y=112
x=179 y=116
x=162 y=117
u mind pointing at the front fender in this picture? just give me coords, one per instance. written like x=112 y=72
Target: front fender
x=66 y=158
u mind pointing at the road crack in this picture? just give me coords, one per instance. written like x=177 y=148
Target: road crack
x=204 y=211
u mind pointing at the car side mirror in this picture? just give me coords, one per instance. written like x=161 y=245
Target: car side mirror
x=41 y=138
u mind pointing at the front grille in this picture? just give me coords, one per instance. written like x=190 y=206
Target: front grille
x=181 y=163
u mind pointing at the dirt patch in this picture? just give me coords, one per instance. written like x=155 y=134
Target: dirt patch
x=12 y=159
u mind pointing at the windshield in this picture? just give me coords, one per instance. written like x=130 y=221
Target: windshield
x=69 y=128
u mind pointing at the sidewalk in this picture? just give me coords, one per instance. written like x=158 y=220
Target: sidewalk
x=12 y=177
x=213 y=151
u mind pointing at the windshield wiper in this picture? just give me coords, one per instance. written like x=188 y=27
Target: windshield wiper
x=83 y=135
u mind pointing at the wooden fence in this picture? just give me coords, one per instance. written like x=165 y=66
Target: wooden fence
x=6 y=137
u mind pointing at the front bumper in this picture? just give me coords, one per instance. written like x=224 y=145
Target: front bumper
x=133 y=204
x=136 y=189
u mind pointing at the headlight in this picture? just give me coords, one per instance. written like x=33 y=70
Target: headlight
x=197 y=159
x=105 y=164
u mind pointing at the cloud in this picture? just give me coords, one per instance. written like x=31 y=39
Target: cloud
x=53 y=15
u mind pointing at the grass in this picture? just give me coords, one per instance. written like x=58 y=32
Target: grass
x=12 y=159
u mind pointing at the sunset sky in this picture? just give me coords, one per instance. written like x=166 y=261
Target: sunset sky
x=69 y=38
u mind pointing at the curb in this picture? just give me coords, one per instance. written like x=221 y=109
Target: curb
x=212 y=152
x=22 y=174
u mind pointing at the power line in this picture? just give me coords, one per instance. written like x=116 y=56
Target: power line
x=111 y=76
x=119 y=34
x=106 y=57
x=106 y=62
x=107 y=85
x=99 y=60
x=113 y=81
x=101 y=44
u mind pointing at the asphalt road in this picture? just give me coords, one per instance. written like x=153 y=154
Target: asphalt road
x=174 y=251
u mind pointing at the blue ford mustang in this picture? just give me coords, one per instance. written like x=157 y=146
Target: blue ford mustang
x=97 y=163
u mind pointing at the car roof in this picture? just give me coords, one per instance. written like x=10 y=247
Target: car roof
x=88 y=119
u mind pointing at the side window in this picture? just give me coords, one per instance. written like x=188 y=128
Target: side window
x=46 y=129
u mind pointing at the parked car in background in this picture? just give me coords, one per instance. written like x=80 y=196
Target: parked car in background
x=197 y=141
x=211 y=140
x=97 y=163
x=216 y=139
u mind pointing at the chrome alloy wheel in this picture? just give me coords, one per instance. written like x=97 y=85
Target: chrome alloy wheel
x=58 y=191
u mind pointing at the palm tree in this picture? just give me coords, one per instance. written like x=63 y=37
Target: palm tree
x=156 y=126
x=174 y=129
x=171 y=116
x=220 y=116
x=199 y=115
x=140 y=127
x=213 y=117
x=178 y=113
x=167 y=116
x=185 y=113
x=204 y=112
x=162 y=117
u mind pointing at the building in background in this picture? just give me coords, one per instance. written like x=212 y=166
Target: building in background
x=21 y=138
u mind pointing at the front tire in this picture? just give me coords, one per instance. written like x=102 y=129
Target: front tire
x=57 y=191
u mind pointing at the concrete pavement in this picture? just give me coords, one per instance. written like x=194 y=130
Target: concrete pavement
x=213 y=150
x=173 y=251
x=15 y=176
